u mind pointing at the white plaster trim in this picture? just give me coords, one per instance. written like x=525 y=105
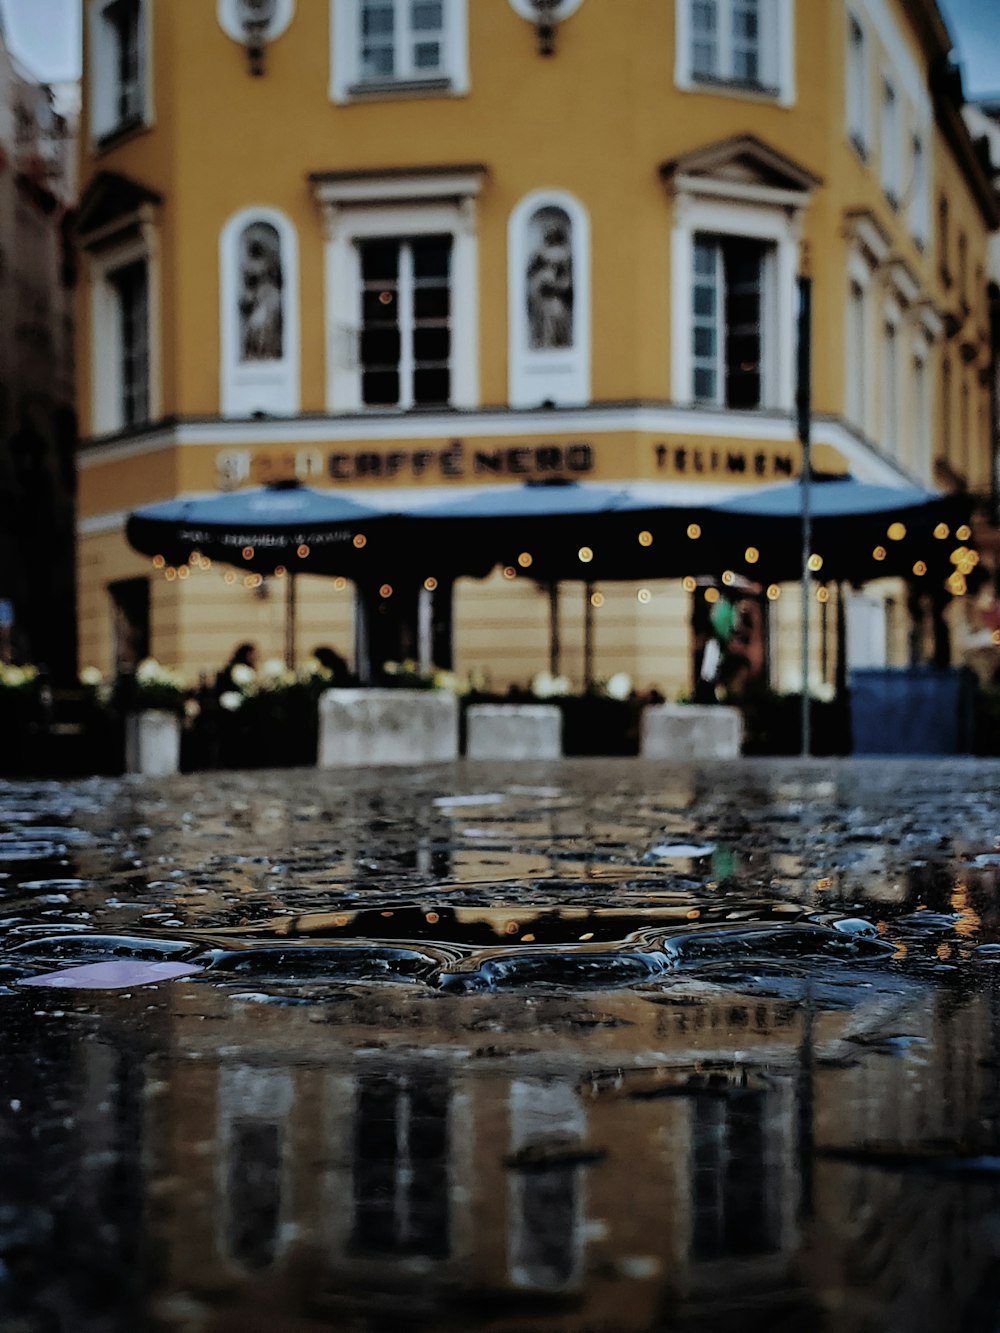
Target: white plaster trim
x=405 y=188
x=345 y=41
x=909 y=78
x=97 y=524
x=227 y=12
x=560 y=376
x=903 y=282
x=779 y=227
x=271 y=386
x=105 y=346
x=738 y=192
x=423 y=212
x=860 y=228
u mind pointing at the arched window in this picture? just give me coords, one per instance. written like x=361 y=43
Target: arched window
x=259 y=315
x=549 y=293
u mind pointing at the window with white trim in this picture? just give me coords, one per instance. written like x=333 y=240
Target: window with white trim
x=890 y=389
x=923 y=416
x=259 y=315
x=856 y=348
x=890 y=144
x=131 y=288
x=858 y=95
x=727 y=320
x=401 y=289
x=745 y=44
x=919 y=191
x=124 y=332
x=119 y=67
x=386 y=46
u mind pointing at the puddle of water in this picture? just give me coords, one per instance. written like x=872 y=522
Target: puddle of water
x=620 y=1048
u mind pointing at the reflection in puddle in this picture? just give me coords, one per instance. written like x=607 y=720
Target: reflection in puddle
x=614 y=1049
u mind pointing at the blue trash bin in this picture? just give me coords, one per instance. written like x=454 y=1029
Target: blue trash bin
x=919 y=710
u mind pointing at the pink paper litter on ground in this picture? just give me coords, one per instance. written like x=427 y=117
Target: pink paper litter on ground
x=114 y=975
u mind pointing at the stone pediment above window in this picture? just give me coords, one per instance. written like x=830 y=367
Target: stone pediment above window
x=863 y=228
x=112 y=203
x=743 y=169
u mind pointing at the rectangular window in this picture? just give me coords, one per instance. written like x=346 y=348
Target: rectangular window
x=727 y=315
x=857 y=87
x=857 y=355
x=890 y=143
x=406 y=322
x=131 y=288
x=918 y=191
x=944 y=240
x=922 y=424
x=734 y=1185
x=727 y=42
x=118 y=91
x=891 y=399
x=401 y=40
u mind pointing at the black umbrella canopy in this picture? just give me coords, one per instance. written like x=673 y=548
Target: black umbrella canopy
x=860 y=531
x=285 y=525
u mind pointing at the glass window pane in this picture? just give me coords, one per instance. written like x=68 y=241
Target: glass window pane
x=427 y=16
x=704 y=385
x=377 y=20
x=380 y=348
x=427 y=55
x=704 y=342
x=431 y=386
x=431 y=344
x=431 y=303
x=379 y=261
x=380 y=388
x=377 y=62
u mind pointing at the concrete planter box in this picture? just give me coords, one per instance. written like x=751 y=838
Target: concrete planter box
x=374 y=727
x=689 y=731
x=513 y=731
x=153 y=743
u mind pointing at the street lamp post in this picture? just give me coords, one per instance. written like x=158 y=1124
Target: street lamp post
x=803 y=400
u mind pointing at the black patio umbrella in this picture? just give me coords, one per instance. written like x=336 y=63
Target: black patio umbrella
x=285 y=525
x=860 y=531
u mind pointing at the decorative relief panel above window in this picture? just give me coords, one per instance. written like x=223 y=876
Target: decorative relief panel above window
x=386 y=47
x=120 y=84
x=743 y=46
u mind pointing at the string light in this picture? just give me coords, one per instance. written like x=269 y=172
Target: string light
x=815 y=563
x=247 y=553
x=645 y=539
x=823 y=595
x=230 y=576
x=206 y=562
x=896 y=532
x=712 y=594
x=644 y=596
x=385 y=591
x=302 y=551
x=995 y=636
x=879 y=553
x=694 y=531
x=525 y=559
x=339 y=584
x=942 y=531
x=773 y=592
x=585 y=554
x=280 y=571
x=430 y=583
x=170 y=573
x=597 y=599
x=963 y=533
x=751 y=555
x=689 y=584
x=920 y=569
x=509 y=572
x=158 y=562
x=956 y=583
x=183 y=572
x=360 y=540
x=728 y=577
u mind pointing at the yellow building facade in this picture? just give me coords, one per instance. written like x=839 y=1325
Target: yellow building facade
x=389 y=245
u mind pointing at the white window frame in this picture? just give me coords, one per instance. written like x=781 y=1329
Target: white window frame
x=890 y=140
x=127 y=246
x=922 y=428
x=918 y=210
x=772 y=225
x=857 y=345
x=543 y=375
x=105 y=119
x=346 y=82
x=858 y=88
x=271 y=387
x=891 y=425
x=718 y=322
x=776 y=52
x=401 y=207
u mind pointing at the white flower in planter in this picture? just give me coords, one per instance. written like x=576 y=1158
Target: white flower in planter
x=230 y=700
x=91 y=675
x=546 y=686
x=242 y=675
x=619 y=686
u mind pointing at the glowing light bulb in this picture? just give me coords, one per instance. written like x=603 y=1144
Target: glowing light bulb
x=751 y=555
x=644 y=596
x=773 y=592
x=597 y=599
x=585 y=554
x=815 y=563
x=525 y=559
x=694 y=531
x=645 y=539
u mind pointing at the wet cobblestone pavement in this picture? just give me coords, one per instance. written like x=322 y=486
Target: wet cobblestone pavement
x=576 y=1047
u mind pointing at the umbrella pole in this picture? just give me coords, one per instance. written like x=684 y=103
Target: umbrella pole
x=555 y=646
x=290 y=616
x=804 y=396
x=588 y=635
